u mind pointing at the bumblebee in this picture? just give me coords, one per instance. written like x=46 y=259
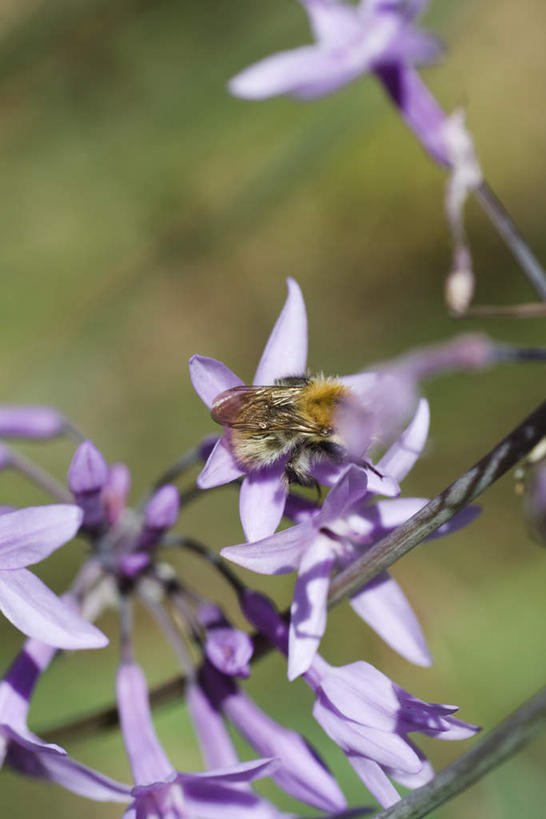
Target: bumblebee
x=293 y=419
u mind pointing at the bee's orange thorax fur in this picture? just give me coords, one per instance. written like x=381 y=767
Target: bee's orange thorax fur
x=319 y=400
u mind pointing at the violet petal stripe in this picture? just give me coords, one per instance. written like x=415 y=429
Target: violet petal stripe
x=278 y=554
x=210 y=377
x=72 y=775
x=285 y=353
x=32 y=534
x=148 y=760
x=375 y=779
x=261 y=501
x=210 y=800
x=30 y=422
x=308 y=609
x=384 y=607
x=37 y=612
x=220 y=468
x=402 y=455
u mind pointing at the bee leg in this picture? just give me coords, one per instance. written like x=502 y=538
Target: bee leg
x=368 y=465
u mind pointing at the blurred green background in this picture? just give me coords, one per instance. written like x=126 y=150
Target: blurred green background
x=147 y=216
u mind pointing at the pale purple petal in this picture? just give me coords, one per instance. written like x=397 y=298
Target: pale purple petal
x=209 y=800
x=362 y=693
x=351 y=486
x=30 y=422
x=162 y=510
x=332 y=22
x=220 y=468
x=216 y=746
x=375 y=779
x=308 y=610
x=66 y=772
x=389 y=514
x=285 y=353
x=306 y=72
x=210 y=377
x=384 y=607
x=383 y=747
x=415 y=780
x=262 y=500
x=412 y=46
x=240 y=772
x=402 y=456
x=148 y=760
x=36 y=611
x=278 y=554
x=88 y=471
x=229 y=650
x=30 y=535
x=115 y=492
x=457 y=730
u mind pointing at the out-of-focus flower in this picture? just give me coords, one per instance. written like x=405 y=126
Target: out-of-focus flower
x=87 y=476
x=350 y=41
x=27 y=536
x=30 y=422
x=300 y=772
x=162 y=792
x=331 y=537
x=264 y=491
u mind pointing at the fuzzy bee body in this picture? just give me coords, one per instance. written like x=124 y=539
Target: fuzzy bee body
x=293 y=419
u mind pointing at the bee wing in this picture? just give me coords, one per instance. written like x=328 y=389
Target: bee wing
x=260 y=409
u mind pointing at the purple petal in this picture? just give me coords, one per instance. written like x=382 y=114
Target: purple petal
x=149 y=762
x=306 y=72
x=66 y=772
x=30 y=422
x=30 y=535
x=241 y=772
x=412 y=46
x=278 y=554
x=220 y=468
x=210 y=377
x=261 y=501
x=383 y=747
x=332 y=22
x=415 y=780
x=209 y=800
x=402 y=455
x=88 y=471
x=285 y=353
x=457 y=730
x=375 y=779
x=216 y=746
x=351 y=486
x=363 y=694
x=162 y=510
x=308 y=610
x=383 y=606
x=115 y=492
x=36 y=611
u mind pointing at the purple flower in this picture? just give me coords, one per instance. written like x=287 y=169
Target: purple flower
x=87 y=476
x=331 y=537
x=264 y=491
x=30 y=422
x=300 y=773
x=370 y=717
x=26 y=752
x=116 y=491
x=160 y=790
x=228 y=649
x=350 y=41
x=26 y=537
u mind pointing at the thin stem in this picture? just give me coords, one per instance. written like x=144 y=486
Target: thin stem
x=39 y=476
x=441 y=508
x=203 y=551
x=188 y=459
x=173 y=636
x=507 y=228
x=489 y=752
x=125 y=628
x=516 y=311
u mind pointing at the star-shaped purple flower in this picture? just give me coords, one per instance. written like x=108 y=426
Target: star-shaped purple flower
x=350 y=41
x=264 y=491
x=331 y=537
x=26 y=537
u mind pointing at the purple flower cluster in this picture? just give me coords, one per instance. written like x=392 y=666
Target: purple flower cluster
x=366 y=714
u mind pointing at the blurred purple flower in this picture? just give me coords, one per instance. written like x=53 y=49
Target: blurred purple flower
x=301 y=773
x=160 y=790
x=28 y=536
x=331 y=537
x=30 y=422
x=116 y=491
x=350 y=41
x=87 y=476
